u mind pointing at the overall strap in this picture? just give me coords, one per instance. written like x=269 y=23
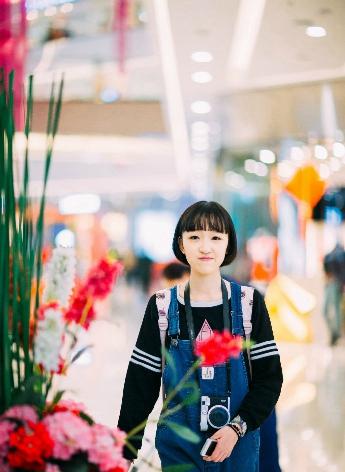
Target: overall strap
x=173 y=314
x=242 y=306
x=236 y=310
x=163 y=302
x=247 y=308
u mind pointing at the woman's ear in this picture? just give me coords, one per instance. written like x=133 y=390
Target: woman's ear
x=180 y=244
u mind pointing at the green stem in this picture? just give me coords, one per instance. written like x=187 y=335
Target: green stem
x=169 y=397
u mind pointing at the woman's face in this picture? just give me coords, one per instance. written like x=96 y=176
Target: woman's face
x=204 y=250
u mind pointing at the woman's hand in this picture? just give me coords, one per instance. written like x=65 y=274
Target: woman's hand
x=226 y=440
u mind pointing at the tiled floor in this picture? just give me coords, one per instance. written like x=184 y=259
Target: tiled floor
x=311 y=410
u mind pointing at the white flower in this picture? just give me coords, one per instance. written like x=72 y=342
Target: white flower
x=48 y=340
x=59 y=278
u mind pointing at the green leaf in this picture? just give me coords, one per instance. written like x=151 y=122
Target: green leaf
x=183 y=431
x=57 y=398
x=77 y=463
x=170 y=361
x=80 y=352
x=86 y=418
x=179 y=468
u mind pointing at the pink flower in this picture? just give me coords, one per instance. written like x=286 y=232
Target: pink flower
x=6 y=427
x=69 y=405
x=218 y=348
x=22 y=412
x=106 y=449
x=70 y=434
x=52 y=468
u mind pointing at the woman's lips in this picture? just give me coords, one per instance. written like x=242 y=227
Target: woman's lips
x=205 y=258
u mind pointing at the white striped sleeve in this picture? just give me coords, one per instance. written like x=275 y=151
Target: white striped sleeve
x=264 y=349
x=146 y=360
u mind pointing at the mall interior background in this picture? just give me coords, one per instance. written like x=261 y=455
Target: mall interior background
x=167 y=102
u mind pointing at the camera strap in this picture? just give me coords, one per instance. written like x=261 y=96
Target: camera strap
x=190 y=323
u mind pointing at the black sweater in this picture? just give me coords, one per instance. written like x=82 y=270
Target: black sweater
x=143 y=379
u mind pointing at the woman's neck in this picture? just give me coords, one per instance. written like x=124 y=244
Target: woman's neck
x=204 y=287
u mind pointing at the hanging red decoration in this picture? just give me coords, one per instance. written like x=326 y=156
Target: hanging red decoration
x=120 y=25
x=13 y=49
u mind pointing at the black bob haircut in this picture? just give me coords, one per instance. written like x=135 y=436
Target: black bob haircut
x=206 y=216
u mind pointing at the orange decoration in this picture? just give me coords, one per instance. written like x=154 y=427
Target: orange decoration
x=306 y=186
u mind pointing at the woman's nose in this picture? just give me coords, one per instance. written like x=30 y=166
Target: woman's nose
x=205 y=246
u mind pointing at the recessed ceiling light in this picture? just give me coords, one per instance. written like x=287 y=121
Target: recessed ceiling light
x=200 y=107
x=32 y=15
x=202 y=77
x=261 y=169
x=315 y=31
x=339 y=149
x=200 y=128
x=202 y=56
x=320 y=152
x=50 y=11
x=267 y=156
x=67 y=8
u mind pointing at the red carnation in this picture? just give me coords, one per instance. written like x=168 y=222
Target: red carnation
x=218 y=348
x=29 y=447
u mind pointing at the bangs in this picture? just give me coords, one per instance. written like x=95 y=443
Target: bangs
x=205 y=219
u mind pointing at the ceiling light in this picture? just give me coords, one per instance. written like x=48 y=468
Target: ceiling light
x=200 y=144
x=65 y=238
x=250 y=166
x=266 y=156
x=339 y=149
x=324 y=171
x=143 y=17
x=246 y=31
x=285 y=170
x=320 y=152
x=296 y=153
x=202 y=77
x=334 y=164
x=200 y=128
x=201 y=107
x=50 y=11
x=235 y=180
x=315 y=31
x=32 y=15
x=201 y=56
x=261 y=169
x=66 y=8
x=109 y=95
x=79 y=204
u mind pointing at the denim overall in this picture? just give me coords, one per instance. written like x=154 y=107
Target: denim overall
x=174 y=450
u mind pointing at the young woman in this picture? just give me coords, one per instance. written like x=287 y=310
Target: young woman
x=235 y=398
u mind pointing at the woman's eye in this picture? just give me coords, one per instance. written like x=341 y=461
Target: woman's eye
x=193 y=237
x=217 y=238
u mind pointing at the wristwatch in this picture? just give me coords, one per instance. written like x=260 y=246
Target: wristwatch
x=239 y=425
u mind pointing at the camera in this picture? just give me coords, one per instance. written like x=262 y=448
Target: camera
x=215 y=412
x=208 y=447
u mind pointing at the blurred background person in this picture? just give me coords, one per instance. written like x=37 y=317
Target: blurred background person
x=173 y=274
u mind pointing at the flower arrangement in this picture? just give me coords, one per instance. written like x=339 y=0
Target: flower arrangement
x=63 y=438
x=40 y=319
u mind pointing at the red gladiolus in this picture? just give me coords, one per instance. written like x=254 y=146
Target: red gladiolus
x=29 y=447
x=101 y=278
x=81 y=309
x=218 y=348
x=97 y=286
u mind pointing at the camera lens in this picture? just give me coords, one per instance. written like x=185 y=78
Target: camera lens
x=218 y=416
